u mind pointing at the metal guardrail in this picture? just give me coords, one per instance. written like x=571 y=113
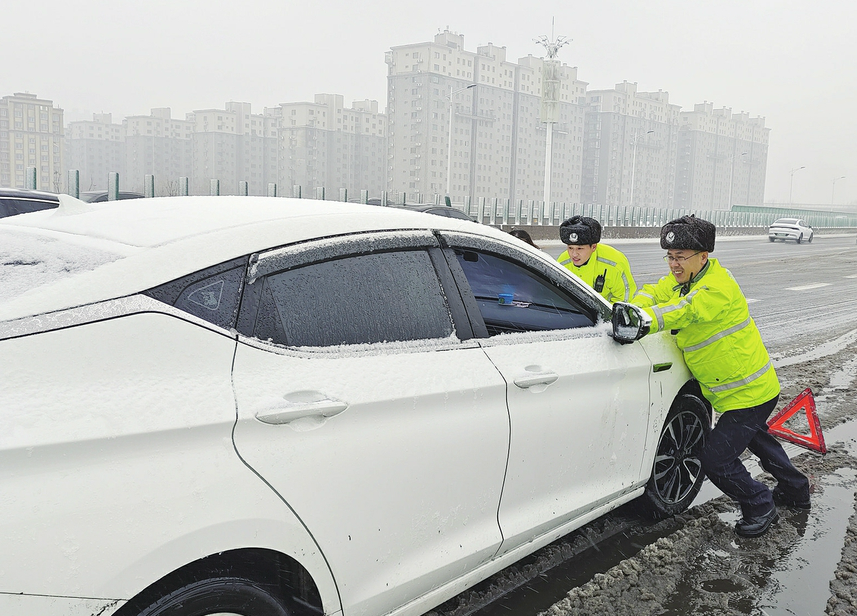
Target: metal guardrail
x=535 y=213
x=498 y=212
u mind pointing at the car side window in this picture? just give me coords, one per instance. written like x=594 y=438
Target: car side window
x=212 y=294
x=513 y=298
x=359 y=299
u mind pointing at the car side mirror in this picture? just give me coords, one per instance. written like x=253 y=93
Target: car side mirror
x=630 y=323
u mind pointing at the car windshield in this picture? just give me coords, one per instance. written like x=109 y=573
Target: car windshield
x=786 y=221
x=28 y=261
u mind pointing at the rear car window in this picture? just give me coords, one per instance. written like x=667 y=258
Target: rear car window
x=31 y=260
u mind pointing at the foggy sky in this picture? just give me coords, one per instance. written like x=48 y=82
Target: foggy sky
x=793 y=63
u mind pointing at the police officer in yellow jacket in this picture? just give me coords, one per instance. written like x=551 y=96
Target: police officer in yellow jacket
x=724 y=351
x=602 y=267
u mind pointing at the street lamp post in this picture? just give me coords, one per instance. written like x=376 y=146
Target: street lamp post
x=792 y=180
x=449 y=144
x=833 y=191
x=634 y=163
x=732 y=178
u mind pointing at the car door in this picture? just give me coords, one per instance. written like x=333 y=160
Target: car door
x=365 y=403
x=578 y=401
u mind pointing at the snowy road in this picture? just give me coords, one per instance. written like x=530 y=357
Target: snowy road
x=804 y=299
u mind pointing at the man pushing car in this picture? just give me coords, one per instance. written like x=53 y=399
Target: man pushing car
x=703 y=305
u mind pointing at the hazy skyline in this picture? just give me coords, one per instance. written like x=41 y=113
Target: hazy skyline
x=793 y=64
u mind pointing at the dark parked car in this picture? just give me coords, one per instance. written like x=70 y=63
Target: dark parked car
x=97 y=196
x=19 y=201
x=438 y=210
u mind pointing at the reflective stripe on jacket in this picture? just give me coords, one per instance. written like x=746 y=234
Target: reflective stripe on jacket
x=619 y=285
x=720 y=342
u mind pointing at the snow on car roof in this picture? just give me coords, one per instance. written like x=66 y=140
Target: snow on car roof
x=106 y=250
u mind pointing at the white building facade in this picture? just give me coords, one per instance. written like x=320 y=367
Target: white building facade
x=631 y=145
x=467 y=124
x=157 y=145
x=324 y=144
x=722 y=158
x=95 y=148
x=31 y=136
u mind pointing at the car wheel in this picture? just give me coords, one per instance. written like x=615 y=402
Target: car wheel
x=222 y=596
x=799 y=238
x=771 y=239
x=677 y=472
x=809 y=241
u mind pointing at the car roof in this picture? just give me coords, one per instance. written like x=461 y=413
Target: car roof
x=23 y=193
x=159 y=239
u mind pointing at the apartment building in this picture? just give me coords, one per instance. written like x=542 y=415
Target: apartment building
x=157 y=145
x=95 y=148
x=631 y=140
x=233 y=145
x=324 y=144
x=467 y=123
x=31 y=135
x=722 y=158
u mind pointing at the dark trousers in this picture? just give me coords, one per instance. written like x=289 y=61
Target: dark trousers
x=747 y=429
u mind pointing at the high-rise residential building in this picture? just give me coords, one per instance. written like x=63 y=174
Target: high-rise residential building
x=95 y=148
x=722 y=158
x=631 y=143
x=468 y=123
x=232 y=145
x=156 y=145
x=31 y=135
x=325 y=144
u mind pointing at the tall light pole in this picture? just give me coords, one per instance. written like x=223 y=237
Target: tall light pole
x=731 y=178
x=551 y=85
x=634 y=163
x=833 y=191
x=449 y=145
x=792 y=180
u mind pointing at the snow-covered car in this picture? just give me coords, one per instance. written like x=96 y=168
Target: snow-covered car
x=790 y=229
x=262 y=406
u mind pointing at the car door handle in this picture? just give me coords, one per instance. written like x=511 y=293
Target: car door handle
x=306 y=404
x=530 y=380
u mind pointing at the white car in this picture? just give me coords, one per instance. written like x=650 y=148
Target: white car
x=790 y=229
x=267 y=406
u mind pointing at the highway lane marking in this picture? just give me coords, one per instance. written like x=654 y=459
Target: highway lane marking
x=750 y=301
x=807 y=287
x=852 y=276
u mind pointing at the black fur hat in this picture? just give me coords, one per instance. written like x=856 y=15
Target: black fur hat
x=580 y=230
x=688 y=233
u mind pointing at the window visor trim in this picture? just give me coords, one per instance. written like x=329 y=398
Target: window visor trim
x=297 y=255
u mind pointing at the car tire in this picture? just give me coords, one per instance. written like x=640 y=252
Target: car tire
x=223 y=595
x=772 y=239
x=799 y=238
x=809 y=241
x=677 y=473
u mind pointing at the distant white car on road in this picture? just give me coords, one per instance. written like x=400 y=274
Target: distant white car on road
x=790 y=229
x=267 y=406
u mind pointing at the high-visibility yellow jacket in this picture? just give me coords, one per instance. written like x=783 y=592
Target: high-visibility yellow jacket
x=607 y=271
x=720 y=342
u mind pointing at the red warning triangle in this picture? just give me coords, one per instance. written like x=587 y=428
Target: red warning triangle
x=805 y=401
